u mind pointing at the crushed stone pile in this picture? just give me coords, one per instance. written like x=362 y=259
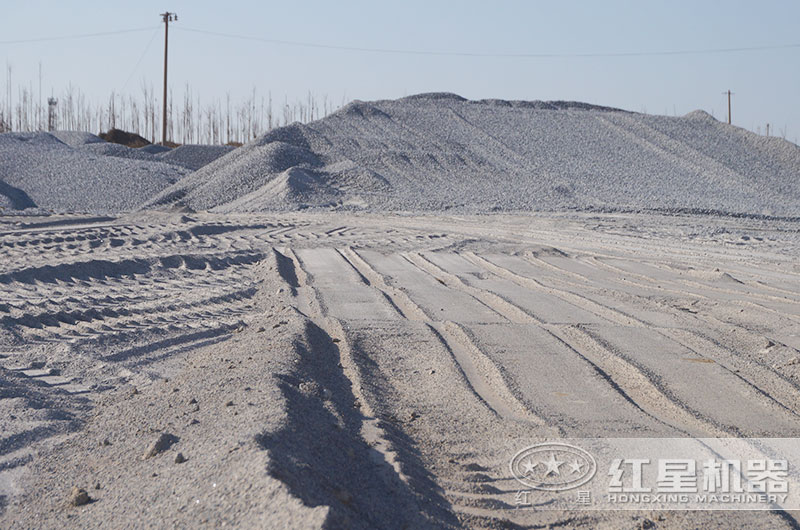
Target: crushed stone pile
x=39 y=171
x=193 y=156
x=77 y=138
x=434 y=152
x=72 y=171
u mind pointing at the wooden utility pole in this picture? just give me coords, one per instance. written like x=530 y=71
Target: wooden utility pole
x=167 y=17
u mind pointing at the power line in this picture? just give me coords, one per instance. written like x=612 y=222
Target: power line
x=152 y=38
x=397 y=51
x=70 y=37
x=701 y=51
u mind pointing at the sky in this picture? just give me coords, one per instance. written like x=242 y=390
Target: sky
x=497 y=49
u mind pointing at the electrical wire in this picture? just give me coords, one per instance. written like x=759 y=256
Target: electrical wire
x=152 y=37
x=83 y=36
x=698 y=51
x=701 y=51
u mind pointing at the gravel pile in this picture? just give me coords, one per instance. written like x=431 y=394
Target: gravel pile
x=37 y=170
x=155 y=149
x=77 y=138
x=193 y=156
x=117 y=150
x=435 y=152
x=72 y=171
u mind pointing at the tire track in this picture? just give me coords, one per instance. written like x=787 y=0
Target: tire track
x=751 y=373
x=628 y=381
x=655 y=397
x=372 y=429
x=480 y=373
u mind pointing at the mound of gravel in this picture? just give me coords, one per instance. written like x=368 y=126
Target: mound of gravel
x=77 y=138
x=38 y=170
x=440 y=152
x=155 y=149
x=193 y=156
x=117 y=150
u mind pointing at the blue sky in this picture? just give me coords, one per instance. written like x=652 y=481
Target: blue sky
x=766 y=83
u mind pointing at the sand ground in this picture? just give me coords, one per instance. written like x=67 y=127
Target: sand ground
x=365 y=371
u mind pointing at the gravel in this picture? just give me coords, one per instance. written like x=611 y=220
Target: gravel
x=429 y=152
x=77 y=138
x=71 y=171
x=194 y=156
x=434 y=152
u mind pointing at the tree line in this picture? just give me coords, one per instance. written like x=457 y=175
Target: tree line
x=190 y=121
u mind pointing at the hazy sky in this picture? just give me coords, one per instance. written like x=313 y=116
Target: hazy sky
x=766 y=83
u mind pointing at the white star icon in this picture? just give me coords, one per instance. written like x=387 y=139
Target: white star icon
x=552 y=465
x=576 y=466
x=529 y=466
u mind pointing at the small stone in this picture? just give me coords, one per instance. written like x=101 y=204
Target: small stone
x=161 y=444
x=310 y=388
x=229 y=404
x=432 y=372
x=78 y=496
x=97 y=485
x=105 y=442
x=179 y=458
x=260 y=330
x=336 y=339
x=192 y=401
x=194 y=421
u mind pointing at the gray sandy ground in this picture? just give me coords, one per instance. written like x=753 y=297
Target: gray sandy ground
x=330 y=371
